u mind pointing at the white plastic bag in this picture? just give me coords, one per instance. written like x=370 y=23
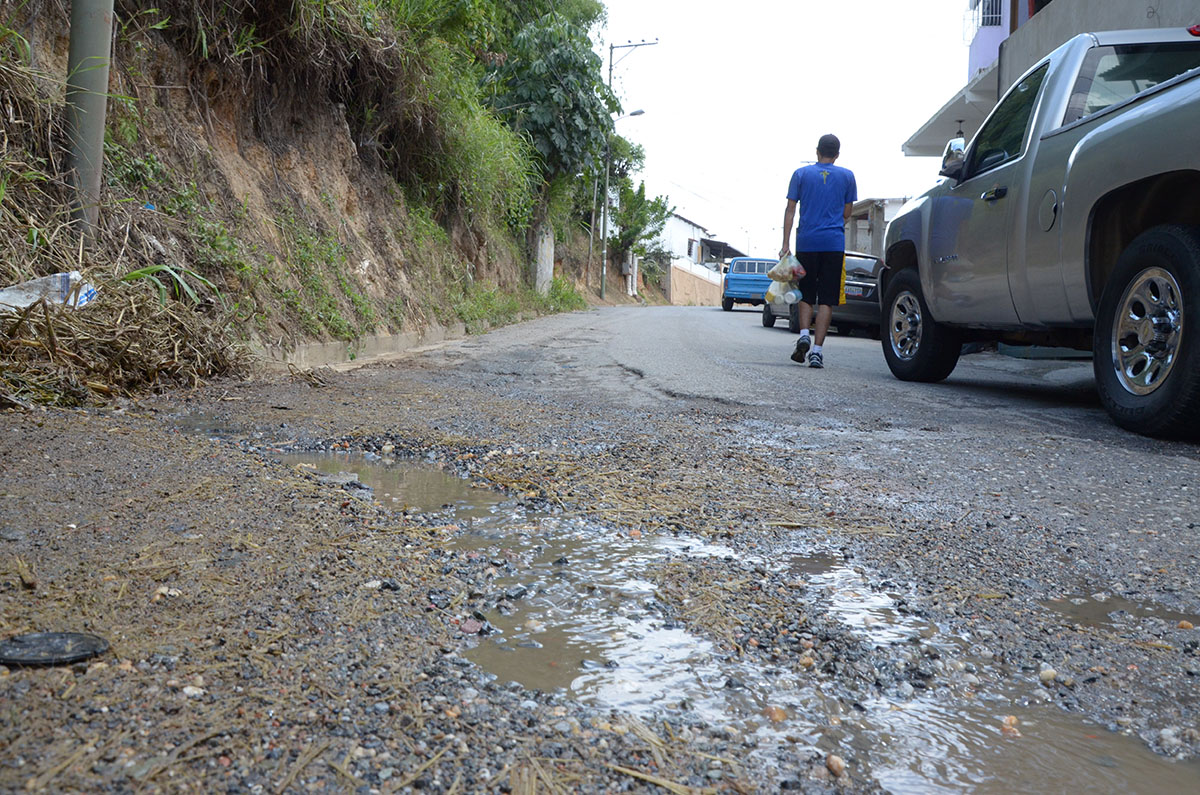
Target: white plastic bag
x=777 y=290
x=57 y=288
x=788 y=269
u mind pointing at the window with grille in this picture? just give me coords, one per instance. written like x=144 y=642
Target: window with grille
x=987 y=13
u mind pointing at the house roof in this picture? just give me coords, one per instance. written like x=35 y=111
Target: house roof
x=689 y=221
x=721 y=249
x=966 y=110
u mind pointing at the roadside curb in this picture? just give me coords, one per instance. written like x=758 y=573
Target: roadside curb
x=341 y=355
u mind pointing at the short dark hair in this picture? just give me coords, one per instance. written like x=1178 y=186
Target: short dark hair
x=829 y=145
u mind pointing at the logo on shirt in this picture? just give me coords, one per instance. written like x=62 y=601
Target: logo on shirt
x=825 y=177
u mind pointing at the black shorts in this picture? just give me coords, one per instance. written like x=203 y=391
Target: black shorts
x=824 y=282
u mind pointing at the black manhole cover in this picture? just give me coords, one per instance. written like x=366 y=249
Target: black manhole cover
x=50 y=648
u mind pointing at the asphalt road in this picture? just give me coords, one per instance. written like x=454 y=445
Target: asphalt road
x=1007 y=486
x=980 y=585
x=1015 y=438
x=705 y=354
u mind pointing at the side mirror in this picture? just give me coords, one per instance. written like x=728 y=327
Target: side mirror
x=725 y=269
x=953 y=158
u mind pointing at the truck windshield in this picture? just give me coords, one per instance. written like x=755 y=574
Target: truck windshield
x=1111 y=75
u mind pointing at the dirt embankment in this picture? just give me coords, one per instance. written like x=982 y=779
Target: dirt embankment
x=281 y=179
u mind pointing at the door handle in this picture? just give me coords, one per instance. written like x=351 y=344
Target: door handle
x=998 y=192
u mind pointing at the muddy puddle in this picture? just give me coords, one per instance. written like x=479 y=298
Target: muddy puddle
x=1102 y=610
x=585 y=621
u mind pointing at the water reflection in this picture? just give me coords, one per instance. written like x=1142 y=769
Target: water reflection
x=586 y=623
x=1106 y=611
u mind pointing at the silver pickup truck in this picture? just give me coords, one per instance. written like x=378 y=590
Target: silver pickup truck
x=1072 y=219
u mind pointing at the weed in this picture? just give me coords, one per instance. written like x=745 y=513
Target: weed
x=136 y=25
x=177 y=282
x=10 y=39
x=217 y=247
x=138 y=174
x=396 y=311
x=563 y=297
x=362 y=306
x=315 y=260
x=483 y=306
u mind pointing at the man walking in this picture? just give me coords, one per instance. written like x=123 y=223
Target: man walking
x=825 y=193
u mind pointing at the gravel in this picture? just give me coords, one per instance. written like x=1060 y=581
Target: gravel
x=311 y=638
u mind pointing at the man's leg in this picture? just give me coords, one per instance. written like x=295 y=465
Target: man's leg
x=829 y=288
x=816 y=357
x=824 y=318
x=805 y=314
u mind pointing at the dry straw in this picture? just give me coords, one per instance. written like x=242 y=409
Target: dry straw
x=127 y=341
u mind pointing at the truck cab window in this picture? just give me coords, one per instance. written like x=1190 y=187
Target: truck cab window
x=1003 y=136
x=1111 y=75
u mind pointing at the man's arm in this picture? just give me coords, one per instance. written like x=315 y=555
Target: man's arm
x=846 y=211
x=789 y=215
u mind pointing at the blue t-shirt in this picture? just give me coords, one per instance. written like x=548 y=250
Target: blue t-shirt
x=822 y=191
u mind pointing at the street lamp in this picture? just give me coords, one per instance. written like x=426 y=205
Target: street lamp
x=608 y=154
x=604 y=207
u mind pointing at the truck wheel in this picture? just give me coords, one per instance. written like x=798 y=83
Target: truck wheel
x=916 y=348
x=727 y=304
x=1146 y=344
x=794 y=318
x=768 y=316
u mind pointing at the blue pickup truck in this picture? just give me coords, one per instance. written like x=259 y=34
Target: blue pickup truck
x=745 y=281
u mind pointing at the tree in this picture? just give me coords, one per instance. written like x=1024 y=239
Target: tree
x=549 y=87
x=637 y=220
x=625 y=159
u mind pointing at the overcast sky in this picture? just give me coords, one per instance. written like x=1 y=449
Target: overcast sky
x=736 y=94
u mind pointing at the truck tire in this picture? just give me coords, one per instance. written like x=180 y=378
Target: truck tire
x=794 y=318
x=1146 y=343
x=916 y=348
x=727 y=304
x=768 y=316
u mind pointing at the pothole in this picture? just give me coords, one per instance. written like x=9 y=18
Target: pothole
x=575 y=610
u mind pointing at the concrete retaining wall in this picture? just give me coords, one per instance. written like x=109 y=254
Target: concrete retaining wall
x=341 y=355
x=693 y=285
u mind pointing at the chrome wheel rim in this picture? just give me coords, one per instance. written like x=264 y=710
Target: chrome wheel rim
x=905 y=328
x=1147 y=331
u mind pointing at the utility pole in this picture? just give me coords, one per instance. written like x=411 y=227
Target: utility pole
x=608 y=161
x=87 y=103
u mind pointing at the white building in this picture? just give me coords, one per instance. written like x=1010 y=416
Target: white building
x=690 y=242
x=693 y=276
x=868 y=221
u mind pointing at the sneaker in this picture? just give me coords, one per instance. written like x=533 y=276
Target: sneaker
x=816 y=360
x=802 y=346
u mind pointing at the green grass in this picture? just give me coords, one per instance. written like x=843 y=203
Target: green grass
x=563 y=297
x=481 y=307
x=319 y=261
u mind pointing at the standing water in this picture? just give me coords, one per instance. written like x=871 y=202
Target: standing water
x=587 y=623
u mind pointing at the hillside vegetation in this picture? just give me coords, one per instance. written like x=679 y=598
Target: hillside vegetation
x=283 y=171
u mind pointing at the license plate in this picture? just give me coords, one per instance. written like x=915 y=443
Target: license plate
x=853 y=290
